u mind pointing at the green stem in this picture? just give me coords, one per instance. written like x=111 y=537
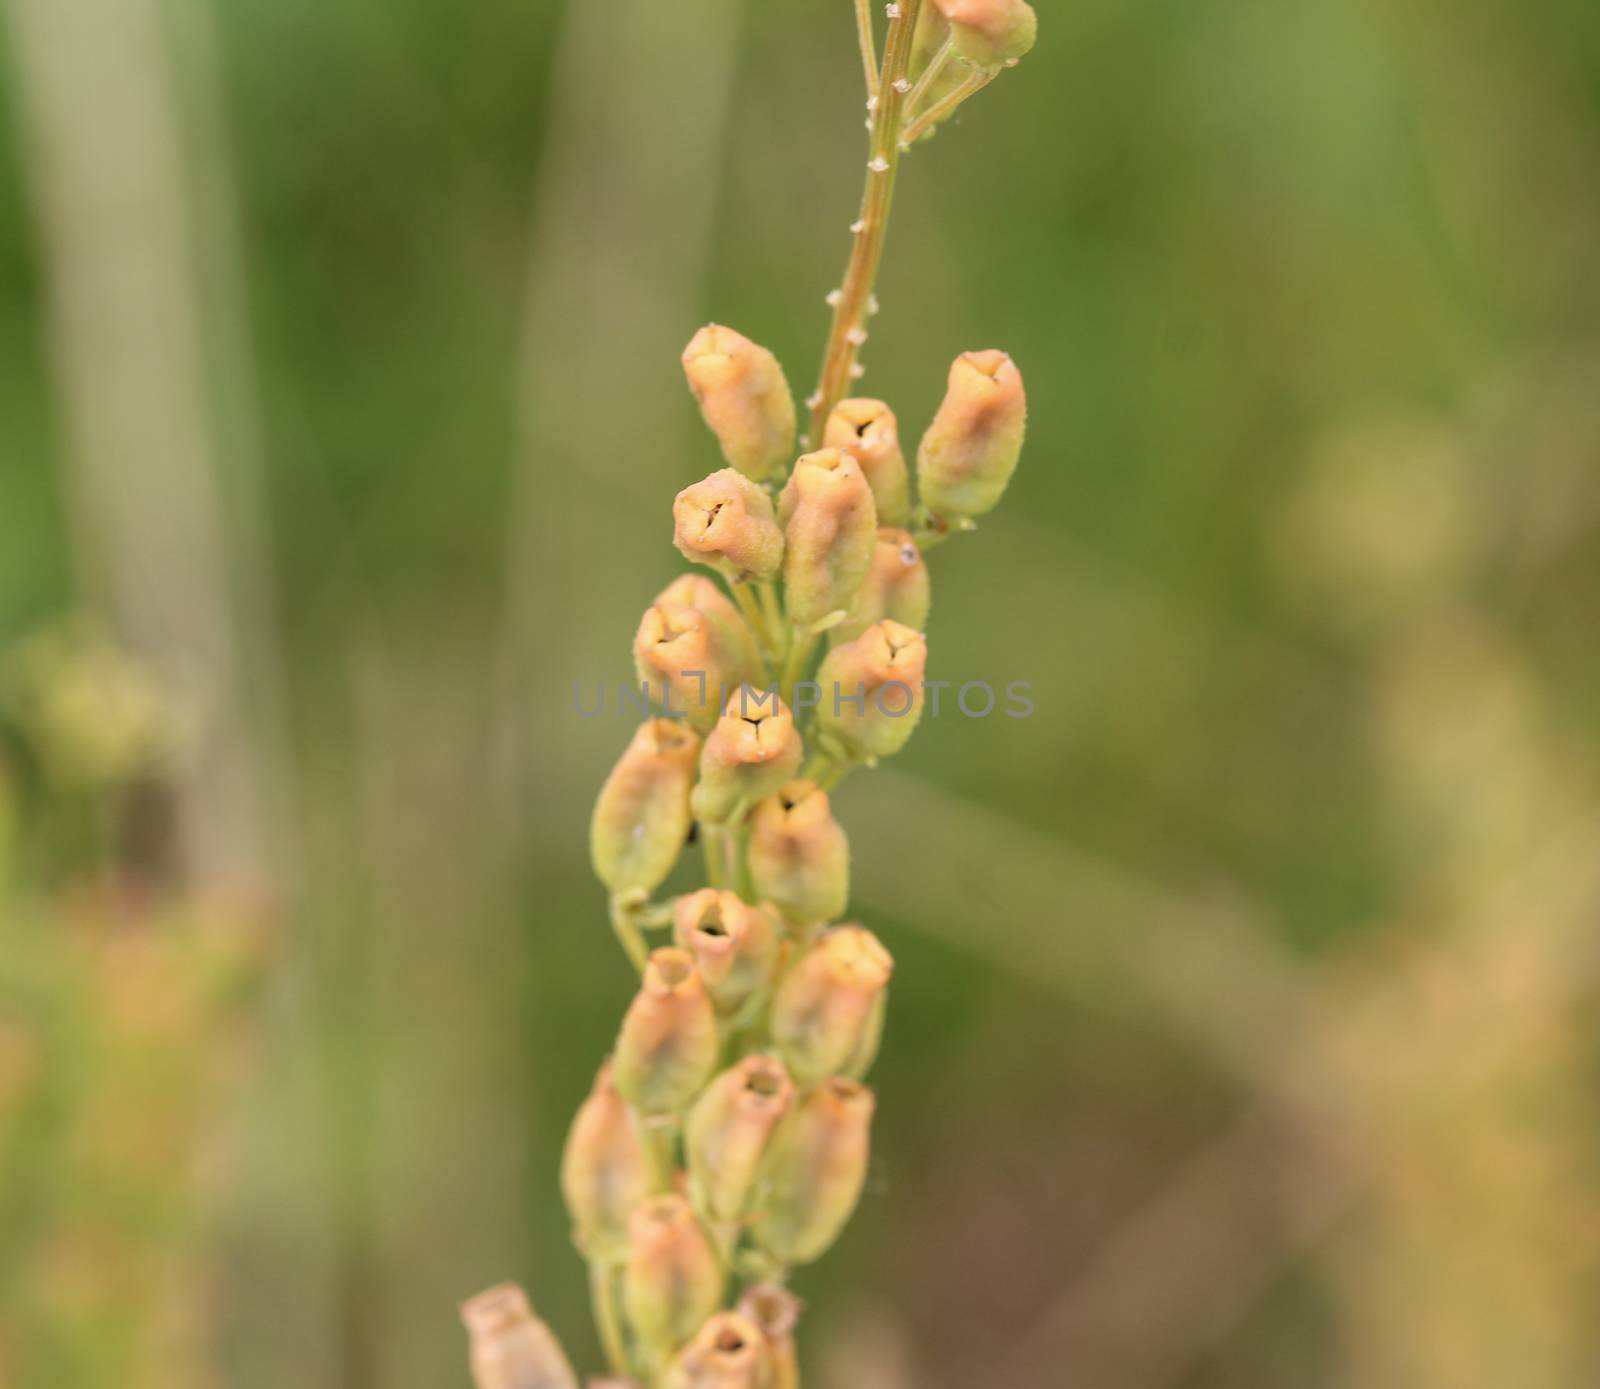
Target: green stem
x=632 y=938
x=608 y=1317
x=801 y=643
x=715 y=854
x=931 y=74
x=945 y=105
x=659 y=1137
x=848 y=330
x=869 y=53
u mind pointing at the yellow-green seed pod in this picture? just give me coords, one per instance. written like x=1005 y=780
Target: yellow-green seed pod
x=642 y=818
x=990 y=33
x=744 y=398
x=728 y=1352
x=733 y=636
x=735 y=946
x=971 y=449
x=827 y=1017
x=799 y=854
x=726 y=521
x=896 y=587
x=604 y=1171
x=667 y=1048
x=775 y=1311
x=871 y=690
x=672 y=1280
x=728 y=1130
x=751 y=752
x=510 y=1347
x=830 y=524
x=679 y=661
x=868 y=431
x=814 y=1172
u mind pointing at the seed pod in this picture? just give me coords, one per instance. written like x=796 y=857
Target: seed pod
x=896 y=587
x=775 y=1312
x=726 y=521
x=729 y=1352
x=604 y=1171
x=510 y=1347
x=744 y=398
x=799 y=854
x=672 y=1280
x=734 y=945
x=830 y=525
x=990 y=33
x=727 y=1133
x=667 y=1048
x=642 y=818
x=971 y=449
x=868 y=431
x=733 y=638
x=815 y=1171
x=872 y=690
x=751 y=752
x=828 y=1014
x=678 y=659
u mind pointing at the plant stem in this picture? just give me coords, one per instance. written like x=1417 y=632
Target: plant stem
x=607 y=1317
x=848 y=332
x=627 y=929
x=946 y=104
x=801 y=642
x=869 y=52
x=930 y=74
x=711 y=844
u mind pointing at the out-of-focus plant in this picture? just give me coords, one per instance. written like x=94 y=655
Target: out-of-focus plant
x=725 y=1141
x=119 y=991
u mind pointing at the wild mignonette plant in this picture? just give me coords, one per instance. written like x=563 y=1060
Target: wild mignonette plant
x=725 y=1140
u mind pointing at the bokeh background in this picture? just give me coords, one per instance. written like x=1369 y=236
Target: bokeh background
x=1241 y=1031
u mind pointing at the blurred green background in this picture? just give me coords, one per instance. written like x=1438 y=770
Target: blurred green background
x=1238 y=1034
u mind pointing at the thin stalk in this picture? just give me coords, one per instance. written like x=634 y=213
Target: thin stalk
x=869 y=49
x=608 y=1317
x=767 y=592
x=931 y=74
x=754 y=615
x=801 y=643
x=946 y=104
x=659 y=1138
x=628 y=932
x=711 y=845
x=848 y=330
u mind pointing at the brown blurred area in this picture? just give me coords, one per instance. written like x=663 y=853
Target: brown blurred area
x=1239 y=1029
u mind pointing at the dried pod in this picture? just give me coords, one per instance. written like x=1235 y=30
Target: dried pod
x=971 y=449
x=728 y=1352
x=814 y=1172
x=896 y=587
x=868 y=431
x=830 y=524
x=871 y=690
x=726 y=521
x=604 y=1170
x=751 y=752
x=990 y=33
x=510 y=1347
x=642 y=818
x=744 y=399
x=827 y=1017
x=799 y=854
x=667 y=1048
x=728 y=1130
x=672 y=1280
x=682 y=665
x=733 y=636
x=735 y=946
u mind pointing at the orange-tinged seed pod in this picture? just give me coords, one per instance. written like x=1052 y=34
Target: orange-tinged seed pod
x=971 y=449
x=830 y=524
x=726 y=521
x=799 y=854
x=734 y=638
x=642 y=817
x=828 y=1013
x=604 y=1170
x=751 y=752
x=672 y=1280
x=744 y=399
x=868 y=431
x=680 y=663
x=728 y=1352
x=814 y=1172
x=990 y=33
x=728 y=1130
x=735 y=946
x=667 y=1048
x=510 y=1347
x=896 y=587
x=775 y=1312
x=871 y=690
